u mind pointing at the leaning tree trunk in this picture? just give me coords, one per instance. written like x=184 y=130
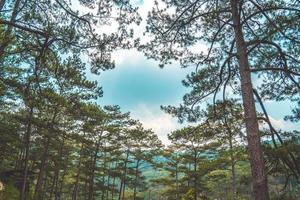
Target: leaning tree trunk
x=260 y=186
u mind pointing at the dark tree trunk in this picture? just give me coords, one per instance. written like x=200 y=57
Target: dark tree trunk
x=103 y=177
x=260 y=186
x=38 y=188
x=38 y=194
x=136 y=179
x=176 y=180
x=232 y=159
x=54 y=181
x=91 y=183
x=123 y=179
x=54 y=189
x=233 y=175
x=195 y=176
x=76 y=186
x=113 y=188
x=26 y=155
x=58 y=195
x=108 y=183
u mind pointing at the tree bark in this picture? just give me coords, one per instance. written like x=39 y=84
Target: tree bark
x=260 y=186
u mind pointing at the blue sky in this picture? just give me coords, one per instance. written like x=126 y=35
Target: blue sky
x=139 y=86
x=137 y=80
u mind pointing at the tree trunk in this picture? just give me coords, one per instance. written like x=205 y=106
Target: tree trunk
x=176 y=180
x=113 y=188
x=188 y=180
x=108 y=182
x=54 y=189
x=123 y=179
x=75 y=189
x=232 y=159
x=260 y=186
x=195 y=176
x=54 y=181
x=38 y=194
x=136 y=179
x=58 y=195
x=91 y=184
x=103 y=177
x=233 y=175
x=38 y=188
x=26 y=156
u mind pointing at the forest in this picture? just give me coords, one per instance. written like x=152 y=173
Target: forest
x=57 y=142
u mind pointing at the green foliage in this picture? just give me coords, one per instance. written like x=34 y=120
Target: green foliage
x=189 y=195
x=9 y=192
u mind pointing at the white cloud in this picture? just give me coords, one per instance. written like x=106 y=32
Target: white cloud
x=129 y=57
x=153 y=118
x=280 y=124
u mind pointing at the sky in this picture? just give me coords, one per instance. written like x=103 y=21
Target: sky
x=140 y=87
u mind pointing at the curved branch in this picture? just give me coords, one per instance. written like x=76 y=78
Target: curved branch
x=273 y=23
x=262 y=11
x=24 y=28
x=273 y=131
x=275 y=69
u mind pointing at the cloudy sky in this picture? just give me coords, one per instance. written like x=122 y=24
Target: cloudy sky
x=139 y=86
